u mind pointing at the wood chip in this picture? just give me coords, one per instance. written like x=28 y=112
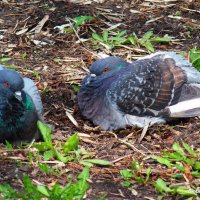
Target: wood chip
x=71 y=118
x=197 y=11
x=153 y=20
x=40 y=25
x=22 y=31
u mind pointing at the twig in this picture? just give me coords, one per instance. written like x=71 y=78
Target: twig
x=144 y=131
x=71 y=118
x=80 y=40
x=76 y=33
x=150 y=198
x=31 y=144
x=132 y=147
x=95 y=54
x=16 y=25
x=37 y=182
x=133 y=49
x=121 y=158
x=179 y=184
x=40 y=25
x=51 y=162
x=88 y=141
x=190 y=10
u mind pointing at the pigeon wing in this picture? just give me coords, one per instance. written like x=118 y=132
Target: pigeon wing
x=147 y=86
x=193 y=75
x=31 y=89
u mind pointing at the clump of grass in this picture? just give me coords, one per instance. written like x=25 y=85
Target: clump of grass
x=184 y=163
x=194 y=55
x=4 y=61
x=118 y=38
x=72 y=190
x=64 y=152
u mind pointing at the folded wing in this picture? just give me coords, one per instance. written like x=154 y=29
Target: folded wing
x=149 y=86
x=31 y=89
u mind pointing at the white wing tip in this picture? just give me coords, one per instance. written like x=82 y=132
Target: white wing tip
x=188 y=108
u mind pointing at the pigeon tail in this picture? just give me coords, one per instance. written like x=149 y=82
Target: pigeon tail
x=189 y=91
x=188 y=105
x=184 y=109
x=180 y=60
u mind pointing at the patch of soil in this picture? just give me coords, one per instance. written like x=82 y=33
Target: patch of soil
x=56 y=61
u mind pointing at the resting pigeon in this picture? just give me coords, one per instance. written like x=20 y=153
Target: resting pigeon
x=152 y=90
x=20 y=107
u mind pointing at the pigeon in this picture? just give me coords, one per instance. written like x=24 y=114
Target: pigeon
x=154 y=89
x=20 y=107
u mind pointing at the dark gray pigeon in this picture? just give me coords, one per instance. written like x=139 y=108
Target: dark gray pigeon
x=151 y=90
x=20 y=107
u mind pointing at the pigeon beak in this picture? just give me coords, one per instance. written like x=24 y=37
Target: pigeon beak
x=18 y=95
x=92 y=76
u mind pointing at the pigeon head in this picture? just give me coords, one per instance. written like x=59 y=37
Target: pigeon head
x=10 y=79
x=11 y=85
x=108 y=64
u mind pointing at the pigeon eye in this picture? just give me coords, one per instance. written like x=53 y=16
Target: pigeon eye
x=105 y=69
x=6 y=84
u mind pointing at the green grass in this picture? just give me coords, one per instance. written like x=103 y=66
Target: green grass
x=112 y=37
x=61 y=151
x=4 y=61
x=75 y=23
x=72 y=190
x=110 y=40
x=183 y=162
x=194 y=55
x=65 y=151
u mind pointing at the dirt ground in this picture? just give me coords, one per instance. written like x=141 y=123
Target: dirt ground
x=57 y=60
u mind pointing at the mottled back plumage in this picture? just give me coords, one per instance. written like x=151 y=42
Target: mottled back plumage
x=149 y=85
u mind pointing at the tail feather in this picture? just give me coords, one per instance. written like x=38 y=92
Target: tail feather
x=184 y=109
x=189 y=91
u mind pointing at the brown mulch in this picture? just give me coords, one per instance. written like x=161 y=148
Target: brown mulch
x=57 y=60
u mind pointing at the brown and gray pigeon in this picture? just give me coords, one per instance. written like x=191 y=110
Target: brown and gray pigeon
x=152 y=90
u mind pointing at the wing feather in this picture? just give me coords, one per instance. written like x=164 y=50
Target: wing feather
x=31 y=89
x=151 y=85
